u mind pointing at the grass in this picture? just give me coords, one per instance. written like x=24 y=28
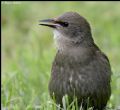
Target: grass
x=28 y=49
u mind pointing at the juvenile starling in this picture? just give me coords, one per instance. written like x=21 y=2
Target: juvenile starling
x=79 y=69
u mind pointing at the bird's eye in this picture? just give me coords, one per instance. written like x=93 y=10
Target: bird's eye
x=64 y=24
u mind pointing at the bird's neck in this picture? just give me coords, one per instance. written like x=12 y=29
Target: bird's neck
x=67 y=46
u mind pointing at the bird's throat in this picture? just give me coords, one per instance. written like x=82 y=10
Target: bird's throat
x=62 y=42
x=66 y=47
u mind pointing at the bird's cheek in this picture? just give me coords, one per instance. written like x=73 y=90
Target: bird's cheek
x=59 y=28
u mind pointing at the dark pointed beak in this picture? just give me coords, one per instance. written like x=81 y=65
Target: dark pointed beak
x=49 y=22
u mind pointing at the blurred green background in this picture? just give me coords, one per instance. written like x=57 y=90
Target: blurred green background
x=28 y=49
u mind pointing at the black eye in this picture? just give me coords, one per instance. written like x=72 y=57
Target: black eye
x=64 y=24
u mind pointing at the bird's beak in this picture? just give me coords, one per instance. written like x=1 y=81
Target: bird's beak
x=50 y=23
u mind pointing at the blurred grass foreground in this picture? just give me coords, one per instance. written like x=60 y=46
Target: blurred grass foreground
x=28 y=49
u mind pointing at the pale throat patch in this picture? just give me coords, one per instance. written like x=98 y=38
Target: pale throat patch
x=60 y=40
x=57 y=38
x=56 y=34
x=65 y=44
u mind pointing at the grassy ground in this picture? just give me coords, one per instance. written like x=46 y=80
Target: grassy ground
x=28 y=49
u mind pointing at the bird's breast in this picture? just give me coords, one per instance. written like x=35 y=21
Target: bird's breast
x=68 y=77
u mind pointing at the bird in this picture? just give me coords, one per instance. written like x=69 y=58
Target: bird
x=80 y=69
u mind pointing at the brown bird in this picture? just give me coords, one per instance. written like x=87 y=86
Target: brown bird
x=80 y=69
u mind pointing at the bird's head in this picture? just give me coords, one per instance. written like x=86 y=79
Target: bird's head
x=70 y=27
